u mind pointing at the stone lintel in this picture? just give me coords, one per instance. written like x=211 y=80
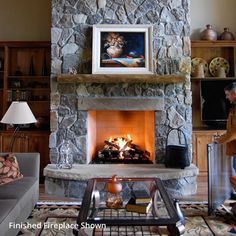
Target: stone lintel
x=121 y=78
x=87 y=171
x=121 y=103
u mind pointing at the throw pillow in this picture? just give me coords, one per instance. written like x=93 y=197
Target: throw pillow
x=9 y=169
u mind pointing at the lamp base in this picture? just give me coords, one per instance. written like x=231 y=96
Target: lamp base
x=13 y=138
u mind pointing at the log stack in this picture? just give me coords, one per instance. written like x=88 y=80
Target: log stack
x=122 y=150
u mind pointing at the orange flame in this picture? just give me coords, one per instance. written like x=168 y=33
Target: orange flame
x=121 y=142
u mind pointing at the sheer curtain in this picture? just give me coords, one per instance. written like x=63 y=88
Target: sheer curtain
x=219 y=172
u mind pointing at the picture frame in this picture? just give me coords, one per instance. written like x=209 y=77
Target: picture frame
x=122 y=49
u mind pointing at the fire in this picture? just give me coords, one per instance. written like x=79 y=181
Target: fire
x=122 y=150
x=121 y=142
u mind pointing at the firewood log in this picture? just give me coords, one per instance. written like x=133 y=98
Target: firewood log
x=111 y=144
x=126 y=145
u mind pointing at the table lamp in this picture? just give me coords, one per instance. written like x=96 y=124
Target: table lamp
x=18 y=114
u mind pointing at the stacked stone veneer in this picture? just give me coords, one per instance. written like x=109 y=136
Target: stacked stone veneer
x=72 y=22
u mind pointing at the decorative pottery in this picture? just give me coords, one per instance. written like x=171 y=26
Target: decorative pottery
x=221 y=72
x=199 y=71
x=113 y=185
x=114 y=52
x=1 y=64
x=195 y=62
x=216 y=63
x=44 y=70
x=65 y=160
x=208 y=33
x=226 y=35
x=31 y=67
x=114 y=201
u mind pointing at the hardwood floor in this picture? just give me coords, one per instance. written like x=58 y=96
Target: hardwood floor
x=201 y=194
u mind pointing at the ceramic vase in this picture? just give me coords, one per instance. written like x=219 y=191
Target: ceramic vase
x=199 y=71
x=221 y=72
x=208 y=33
x=31 y=67
x=65 y=160
x=44 y=71
x=226 y=35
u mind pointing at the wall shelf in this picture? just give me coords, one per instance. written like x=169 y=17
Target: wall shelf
x=212 y=78
x=213 y=44
x=202 y=132
x=121 y=78
x=16 y=83
x=208 y=50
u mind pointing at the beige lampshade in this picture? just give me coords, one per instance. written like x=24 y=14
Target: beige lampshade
x=18 y=113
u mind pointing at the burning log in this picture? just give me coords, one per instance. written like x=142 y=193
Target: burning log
x=107 y=154
x=122 y=150
x=110 y=144
x=147 y=153
x=127 y=145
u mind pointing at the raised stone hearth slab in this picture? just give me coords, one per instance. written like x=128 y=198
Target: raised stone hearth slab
x=72 y=182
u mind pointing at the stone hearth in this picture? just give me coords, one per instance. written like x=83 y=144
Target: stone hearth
x=72 y=182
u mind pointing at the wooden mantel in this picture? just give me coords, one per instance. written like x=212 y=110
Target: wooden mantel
x=121 y=78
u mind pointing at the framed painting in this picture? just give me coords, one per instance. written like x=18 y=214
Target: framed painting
x=122 y=49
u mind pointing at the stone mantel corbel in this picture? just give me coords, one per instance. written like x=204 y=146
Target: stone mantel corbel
x=121 y=78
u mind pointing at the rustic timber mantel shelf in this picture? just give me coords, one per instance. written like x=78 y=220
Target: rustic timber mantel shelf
x=121 y=78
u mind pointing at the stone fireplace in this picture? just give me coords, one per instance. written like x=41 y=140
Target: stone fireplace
x=72 y=22
x=126 y=108
x=84 y=106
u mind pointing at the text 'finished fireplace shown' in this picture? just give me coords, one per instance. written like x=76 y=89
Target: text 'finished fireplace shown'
x=121 y=137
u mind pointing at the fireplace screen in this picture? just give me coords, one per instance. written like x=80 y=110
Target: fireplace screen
x=121 y=137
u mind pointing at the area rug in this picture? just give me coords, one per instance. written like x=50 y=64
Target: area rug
x=59 y=219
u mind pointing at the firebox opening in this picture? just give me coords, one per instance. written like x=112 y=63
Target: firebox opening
x=136 y=128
